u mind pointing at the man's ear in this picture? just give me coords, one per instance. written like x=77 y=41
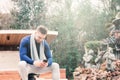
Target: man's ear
x=46 y=37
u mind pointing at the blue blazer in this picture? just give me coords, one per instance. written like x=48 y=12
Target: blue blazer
x=25 y=54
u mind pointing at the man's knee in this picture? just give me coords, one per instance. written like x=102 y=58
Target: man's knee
x=22 y=64
x=55 y=65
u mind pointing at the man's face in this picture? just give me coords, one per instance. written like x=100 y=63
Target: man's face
x=39 y=37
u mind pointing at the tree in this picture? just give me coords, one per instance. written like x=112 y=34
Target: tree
x=31 y=13
x=6 y=21
x=111 y=7
x=75 y=27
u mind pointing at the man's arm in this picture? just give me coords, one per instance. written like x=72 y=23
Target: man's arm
x=48 y=53
x=23 y=51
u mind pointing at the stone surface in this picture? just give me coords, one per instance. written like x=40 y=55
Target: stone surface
x=8 y=67
x=9 y=60
x=14 y=75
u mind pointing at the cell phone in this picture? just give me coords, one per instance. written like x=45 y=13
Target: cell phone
x=45 y=60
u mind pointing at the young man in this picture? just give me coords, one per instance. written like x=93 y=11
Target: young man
x=35 y=55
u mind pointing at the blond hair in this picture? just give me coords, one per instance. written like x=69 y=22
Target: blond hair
x=42 y=29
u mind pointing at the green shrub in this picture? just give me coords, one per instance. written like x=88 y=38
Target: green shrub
x=69 y=61
x=93 y=45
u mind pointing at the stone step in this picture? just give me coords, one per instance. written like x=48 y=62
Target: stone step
x=49 y=79
x=8 y=68
x=14 y=75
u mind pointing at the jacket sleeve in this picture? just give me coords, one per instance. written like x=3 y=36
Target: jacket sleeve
x=48 y=53
x=23 y=51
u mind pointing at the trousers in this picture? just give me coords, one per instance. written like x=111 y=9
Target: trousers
x=24 y=69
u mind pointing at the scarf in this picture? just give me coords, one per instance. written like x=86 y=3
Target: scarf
x=34 y=53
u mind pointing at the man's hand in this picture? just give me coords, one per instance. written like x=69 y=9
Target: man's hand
x=40 y=64
x=37 y=63
x=43 y=64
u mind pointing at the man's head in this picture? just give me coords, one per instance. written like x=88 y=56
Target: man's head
x=40 y=33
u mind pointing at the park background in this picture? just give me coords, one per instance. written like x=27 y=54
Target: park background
x=77 y=22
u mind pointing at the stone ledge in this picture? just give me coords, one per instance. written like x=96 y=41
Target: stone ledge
x=36 y=79
x=14 y=75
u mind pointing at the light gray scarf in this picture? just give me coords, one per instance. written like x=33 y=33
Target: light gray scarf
x=34 y=53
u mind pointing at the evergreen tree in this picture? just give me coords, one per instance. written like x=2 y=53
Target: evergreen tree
x=31 y=13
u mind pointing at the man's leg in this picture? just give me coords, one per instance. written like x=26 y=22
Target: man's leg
x=25 y=69
x=55 y=71
x=22 y=69
x=54 y=68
